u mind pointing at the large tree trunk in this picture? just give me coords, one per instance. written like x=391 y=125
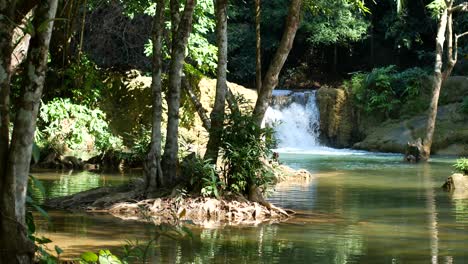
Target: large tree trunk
x=258 y=46
x=217 y=114
x=17 y=248
x=6 y=49
x=179 y=44
x=271 y=78
x=152 y=166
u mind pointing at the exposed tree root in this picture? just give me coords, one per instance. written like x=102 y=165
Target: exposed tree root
x=200 y=211
x=129 y=202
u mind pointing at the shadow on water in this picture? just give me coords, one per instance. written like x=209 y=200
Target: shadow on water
x=358 y=209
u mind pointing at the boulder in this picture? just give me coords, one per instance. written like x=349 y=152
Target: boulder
x=337 y=118
x=450 y=137
x=458 y=185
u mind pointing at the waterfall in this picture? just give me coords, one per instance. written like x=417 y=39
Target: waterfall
x=295 y=118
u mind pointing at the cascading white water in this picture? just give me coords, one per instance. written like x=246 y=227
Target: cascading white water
x=295 y=118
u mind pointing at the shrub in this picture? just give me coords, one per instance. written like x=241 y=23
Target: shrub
x=385 y=90
x=464 y=105
x=63 y=125
x=202 y=176
x=245 y=147
x=461 y=165
x=81 y=81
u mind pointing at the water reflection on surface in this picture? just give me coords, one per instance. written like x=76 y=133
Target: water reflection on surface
x=358 y=209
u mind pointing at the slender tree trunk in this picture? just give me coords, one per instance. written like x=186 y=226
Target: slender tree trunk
x=175 y=18
x=258 y=44
x=444 y=29
x=6 y=49
x=179 y=44
x=437 y=83
x=152 y=168
x=13 y=234
x=217 y=115
x=83 y=24
x=206 y=122
x=271 y=78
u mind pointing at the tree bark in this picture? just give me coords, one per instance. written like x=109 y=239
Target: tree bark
x=271 y=78
x=175 y=18
x=437 y=83
x=206 y=122
x=152 y=166
x=13 y=234
x=217 y=114
x=444 y=29
x=258 y=46
x=170 y=157
x=6 y=49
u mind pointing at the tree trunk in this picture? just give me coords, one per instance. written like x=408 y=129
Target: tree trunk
x=83 y=24
x=206 y=122
x=437 y=83
x=217 y=114
x=271 y=78
x=6 y=49
x=152 y=166
x=258 y=48
x=13 y=234
x=179 y=44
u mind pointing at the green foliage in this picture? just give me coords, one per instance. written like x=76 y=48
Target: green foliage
x=141 y=140
x=64 y=124
x=385 y=90
x=82 y=81
x=374 y=92
x=103 y=257
x=201 y=52
x=461 y=165
x=436 y=7
x=334 y=22
x=245 y=146
x=203 y=176
x=464 y=105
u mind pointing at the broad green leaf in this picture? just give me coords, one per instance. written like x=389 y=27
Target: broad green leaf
x=89 y=257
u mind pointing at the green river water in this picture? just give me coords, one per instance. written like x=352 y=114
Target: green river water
x=357 y=209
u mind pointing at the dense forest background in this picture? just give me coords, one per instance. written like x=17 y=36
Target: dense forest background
x=332 y=41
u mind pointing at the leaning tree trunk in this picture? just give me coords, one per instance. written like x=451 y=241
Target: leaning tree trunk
x=179 y=44
x=271 y=78
x=152 y=166
x=445 y=28
x=436 y=85
x=258 y=46
x=16 y=246
x=217 y=114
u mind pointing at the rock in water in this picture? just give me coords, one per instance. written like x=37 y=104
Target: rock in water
x=413 y=151
x=458 y=185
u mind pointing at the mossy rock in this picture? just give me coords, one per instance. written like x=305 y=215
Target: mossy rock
x=450 y=137
x=337 y=119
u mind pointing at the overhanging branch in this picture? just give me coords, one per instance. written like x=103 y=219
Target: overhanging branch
x=463 y=7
